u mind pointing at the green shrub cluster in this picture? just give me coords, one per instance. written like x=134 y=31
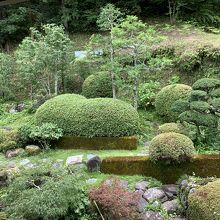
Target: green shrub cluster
x=170 y=127
x=171 y=147
x=101 y=117
x=8 y=140
x=204 y=203
x=97 y=85
x=203 y=109
x=166 y=98
x=46 y=194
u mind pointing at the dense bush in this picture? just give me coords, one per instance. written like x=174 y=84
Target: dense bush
x=171 y=147
x=43 y=194
x=8 y=140
x=46 y=133
x=43 y=134
x=204 y=203
x=115 y=201
x=101 y=117
x=73 y=83
x=97 y=85
x=147 y=93
x=166 y=98
x=202 y=110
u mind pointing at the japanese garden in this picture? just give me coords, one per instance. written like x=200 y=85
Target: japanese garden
x=109 y=110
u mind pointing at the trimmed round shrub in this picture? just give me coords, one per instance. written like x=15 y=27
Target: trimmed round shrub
x=170 y=127
x=166 y=98
x=171 y=147
x=206 y=84
x=204 y=203
x=97 y=86
x=100 y=117
x=180 y=105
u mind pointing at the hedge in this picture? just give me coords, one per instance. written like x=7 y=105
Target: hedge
x=166 y=98
x=101 y=117
x=204 y=203
x=98 y=85
x=200 y=165
x=206 y=84
x=98 y=143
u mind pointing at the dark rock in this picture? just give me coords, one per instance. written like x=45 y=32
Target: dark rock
x=171 y=188
x=140 y=192
x=14 y=152
x=20 y=107
x=142 y=185
x=3 y=178
x=93 y=164
x=153 y=194
x=151 y=215
x=171 y=206
x=141 y=204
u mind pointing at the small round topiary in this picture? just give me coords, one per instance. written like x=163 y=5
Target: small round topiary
x=198 y=95
x=170 y=127
x=171 y=147
x=166 y=98
x=204 y=203
x=78 y=116
x=199 y=106
x=97 y=85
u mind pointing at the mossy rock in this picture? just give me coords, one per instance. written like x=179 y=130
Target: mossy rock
x=171 y=148
x=78 y=116
x=204 y=203
x=166 y=98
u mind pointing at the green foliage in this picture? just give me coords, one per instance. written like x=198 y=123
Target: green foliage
x=45 y=194
x=180 y=105
x=73 y=83
x=8 y=140
x=97 y=85
x=101 y=117
x=204 y=202
x=170 y=127
x=171 y=148
x=147 y=93
x=46 y=133
x=43 y=58
x=206 y=84
x=197 y=95
x=166 y=98
x=6 y=71
x=200 y=106
x=200 y=119
x=215 y=93
x=23 y=134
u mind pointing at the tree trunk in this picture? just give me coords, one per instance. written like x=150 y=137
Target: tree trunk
x=112 y=73
x=56 y=84
x=136 y=99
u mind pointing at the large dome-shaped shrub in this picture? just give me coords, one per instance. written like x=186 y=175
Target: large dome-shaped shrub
x=171 y=147
x=97 y=85
x=204 y=203
x=166 y=98
x=100 y=117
